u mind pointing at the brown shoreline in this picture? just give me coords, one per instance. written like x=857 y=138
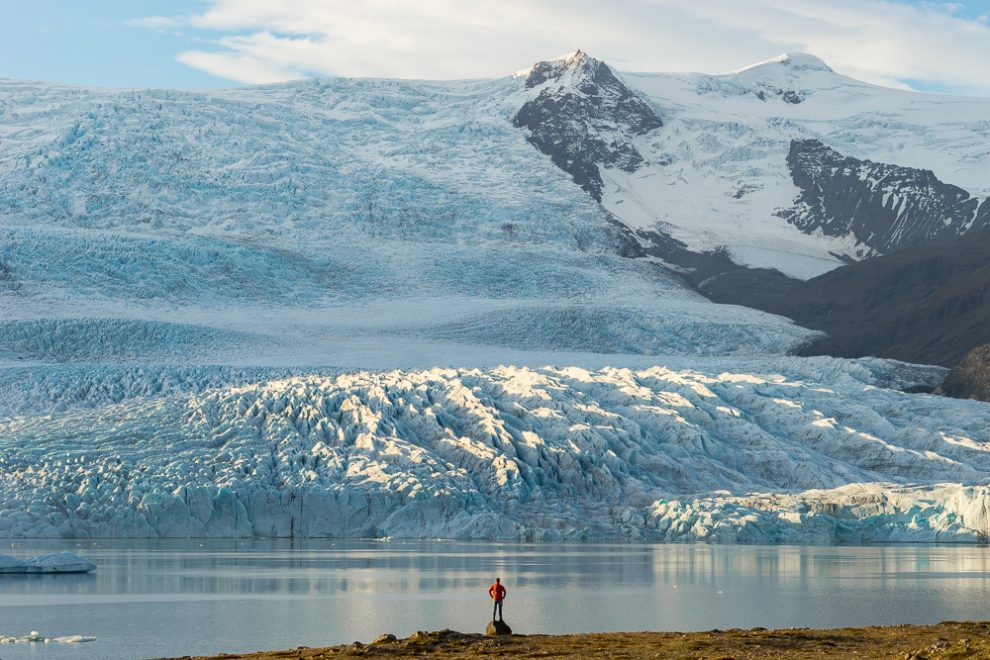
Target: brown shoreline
x=941 y=641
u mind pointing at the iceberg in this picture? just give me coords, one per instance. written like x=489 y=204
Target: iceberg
x=37 y=638
x=55 y=562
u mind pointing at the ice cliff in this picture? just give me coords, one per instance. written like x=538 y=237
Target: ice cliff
x=812 y=449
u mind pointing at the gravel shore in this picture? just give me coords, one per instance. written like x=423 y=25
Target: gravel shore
x=933 y=642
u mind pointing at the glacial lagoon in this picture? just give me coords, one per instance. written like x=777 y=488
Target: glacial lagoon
x=172 y=598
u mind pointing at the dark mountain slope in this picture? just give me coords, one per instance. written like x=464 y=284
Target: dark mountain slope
x=928 y=304
x=883 y=205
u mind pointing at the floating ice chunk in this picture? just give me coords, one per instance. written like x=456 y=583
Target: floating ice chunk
x=37 y=638
x=73 y=639
x=55 y=562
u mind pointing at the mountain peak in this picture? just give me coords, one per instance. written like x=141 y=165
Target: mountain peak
x=791 y=77
x=584 y=117
x=795 y=61
x=802 y=61
x=554 y=69
x=576 y=59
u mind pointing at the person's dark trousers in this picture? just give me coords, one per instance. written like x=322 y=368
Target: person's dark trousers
x=498 y=608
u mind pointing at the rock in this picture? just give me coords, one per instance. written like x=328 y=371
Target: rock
x=970 y=379
x=498 y=628
x=387 y=638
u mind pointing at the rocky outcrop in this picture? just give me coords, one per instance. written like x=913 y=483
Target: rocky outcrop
x=498 y=628
x=584 y=117
x=884 y=206
x=970 y=379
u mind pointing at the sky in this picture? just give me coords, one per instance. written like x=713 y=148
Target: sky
x=917 y=44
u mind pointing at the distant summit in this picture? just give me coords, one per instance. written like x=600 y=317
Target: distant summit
x=588 y=118
x=555 y=68
x=792 y=61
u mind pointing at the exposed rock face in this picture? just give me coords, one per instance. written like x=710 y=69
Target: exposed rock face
x=786 y=95
x=883 y=206
x=970 y=379
x=584 y=117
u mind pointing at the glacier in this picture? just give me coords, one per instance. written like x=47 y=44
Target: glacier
x=311 y=222
x=373 y=308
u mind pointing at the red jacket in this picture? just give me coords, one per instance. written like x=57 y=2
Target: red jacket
x=497 y=591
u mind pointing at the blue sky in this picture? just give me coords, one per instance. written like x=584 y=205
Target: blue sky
x=933 y=46
x=92 y=43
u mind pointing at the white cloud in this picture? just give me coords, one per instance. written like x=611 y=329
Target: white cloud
x=874 y=40
x=881 y=41
x=239 y=67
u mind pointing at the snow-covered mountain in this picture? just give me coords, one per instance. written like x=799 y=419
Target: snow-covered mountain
x=585 y=119
x=767 y=162
x=283 y=309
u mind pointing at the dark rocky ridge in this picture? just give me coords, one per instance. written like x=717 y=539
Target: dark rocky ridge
x=884 y=206
x=588 y=122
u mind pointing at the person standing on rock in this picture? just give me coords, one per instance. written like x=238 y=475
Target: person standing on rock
x=498 y=593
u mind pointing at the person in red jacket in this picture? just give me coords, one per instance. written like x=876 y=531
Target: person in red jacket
x=497 y=592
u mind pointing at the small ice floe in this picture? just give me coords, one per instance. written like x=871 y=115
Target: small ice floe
x=54 y=562
x=37 y=638
x=72 y=639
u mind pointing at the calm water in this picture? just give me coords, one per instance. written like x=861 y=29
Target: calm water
x=157 y=599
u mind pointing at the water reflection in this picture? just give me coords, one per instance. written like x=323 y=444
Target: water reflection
x=181 y=597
